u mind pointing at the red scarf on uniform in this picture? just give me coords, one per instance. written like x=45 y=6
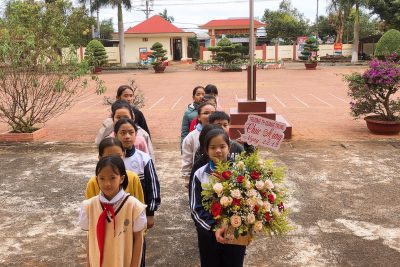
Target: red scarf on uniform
x=101 y=227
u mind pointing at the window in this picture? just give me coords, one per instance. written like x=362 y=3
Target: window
x=145 y=39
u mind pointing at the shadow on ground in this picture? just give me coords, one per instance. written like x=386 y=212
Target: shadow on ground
x=343 y=197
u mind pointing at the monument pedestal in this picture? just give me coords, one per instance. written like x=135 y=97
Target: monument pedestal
x=257 y=107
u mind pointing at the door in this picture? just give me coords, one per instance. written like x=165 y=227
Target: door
x=177 y=48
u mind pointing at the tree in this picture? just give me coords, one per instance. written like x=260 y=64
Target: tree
x=388 y=11
x=286 y=23
x=226 y=52
x=164 y=15
x=119 y=4
x=37 y=81
x=95 y=54
x=338 y=12
x=389 y=43
x=325 y=29
x=106 y=29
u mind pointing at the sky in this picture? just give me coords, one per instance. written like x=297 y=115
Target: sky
x=189 y=14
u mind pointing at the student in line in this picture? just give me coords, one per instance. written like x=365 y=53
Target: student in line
x=124 y=92
x=212 y=90
x=209 y=99
x=121 y=109
x=191 y=142
x=213 y=250
x=115 y=220
x=113 y=147
x=140 y=163
x=191 y=111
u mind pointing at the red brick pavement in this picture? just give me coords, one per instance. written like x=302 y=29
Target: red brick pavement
x=314 y=102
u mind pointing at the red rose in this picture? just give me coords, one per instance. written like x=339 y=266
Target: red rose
x=236 y=202
x=240 y=179
x=256 y=209
x=271 y=198
x=226 y=175
x=216 y=209
x=255 y=175
x=263 y=194
x=267 y=217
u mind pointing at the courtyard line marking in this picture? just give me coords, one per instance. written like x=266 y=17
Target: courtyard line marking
x=87 y=99
x=236 y=97
x=321 y=100
x=280 y=102
x=341 y=99
x=176 y=103
x=155 y=104
x=5 y=132
x=304 y=103
x=89 y=106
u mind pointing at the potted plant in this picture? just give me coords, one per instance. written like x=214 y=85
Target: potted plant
x=228 y=55
x=95 y=55
x=373 y=94
x=309 y=54
x=159 y=57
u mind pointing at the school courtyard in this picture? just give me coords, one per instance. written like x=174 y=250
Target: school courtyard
x=343 y=182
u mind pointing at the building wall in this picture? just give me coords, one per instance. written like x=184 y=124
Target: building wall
x=132 y=45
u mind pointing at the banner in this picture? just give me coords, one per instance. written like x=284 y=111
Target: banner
x=259 y=131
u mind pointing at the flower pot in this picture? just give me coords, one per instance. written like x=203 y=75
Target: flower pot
x=159 y=69
x=311 y=66
x=97 y=70
x=242 y=240
x=378 y=126
x=23 y=137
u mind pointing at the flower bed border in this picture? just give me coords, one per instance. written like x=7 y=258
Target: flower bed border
x=23 y=137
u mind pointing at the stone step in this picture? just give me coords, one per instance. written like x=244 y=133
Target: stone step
x=259 y=105
x=241 y=118
x=236 y=129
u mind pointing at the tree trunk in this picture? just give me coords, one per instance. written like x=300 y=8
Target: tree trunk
x=339 y=27
x=98 y=22
x=121 y=37
x=356 y=40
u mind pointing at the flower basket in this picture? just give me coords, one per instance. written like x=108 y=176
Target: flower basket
x=242 y=240
x=246 y=197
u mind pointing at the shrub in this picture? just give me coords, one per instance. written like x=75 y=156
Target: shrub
x=95 y=54
x=227 y=53
x=388 y=44
x=159 y=54
x=309 y=53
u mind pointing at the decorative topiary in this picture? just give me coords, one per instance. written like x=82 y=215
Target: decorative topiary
x=95 y=54
x=388 y=44
x=227 y=53
x=309 y=53
x=159 y=55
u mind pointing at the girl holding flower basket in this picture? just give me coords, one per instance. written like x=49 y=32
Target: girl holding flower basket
x=212 y=247
x=231 y=201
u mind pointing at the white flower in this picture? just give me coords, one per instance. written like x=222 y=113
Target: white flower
x=250 y=202
x=260 y=162
x=250 y=219
x=247 y=184
x=252 y=193
x=236 y=221
x=240 y=165
x=269 y=184
x=225 y=201
x=258 y=226
x=235 y=193
x=259 y=185
x=266 y=206
x=218 y=188
x=260 y=203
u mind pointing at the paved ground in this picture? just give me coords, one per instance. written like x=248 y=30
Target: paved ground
x=343 y=197
x=343 y=181
x=314 y=102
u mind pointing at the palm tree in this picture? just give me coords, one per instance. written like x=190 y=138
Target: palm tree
x=119 y=3
x=164 y=15
x=356 y=41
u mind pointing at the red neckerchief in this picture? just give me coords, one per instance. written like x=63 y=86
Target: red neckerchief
x=101 y=227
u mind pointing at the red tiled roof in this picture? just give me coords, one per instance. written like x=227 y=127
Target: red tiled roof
x=155 y=24
x=230 y=23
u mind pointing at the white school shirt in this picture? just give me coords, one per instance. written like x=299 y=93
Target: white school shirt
x=138 y=225
x=189 y=147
